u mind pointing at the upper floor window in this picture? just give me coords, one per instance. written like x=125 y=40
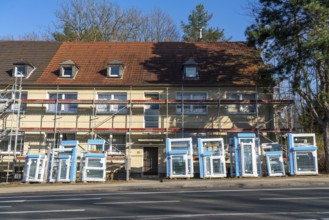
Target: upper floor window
x=63 y=107
x=241 y=108
x=115 y=107
x=10 y=101
x=68 y=69
x=115 y=69
x=191 y=70
x=151 y=111
x=20 y=71
x=189 y=108
x=23 y=69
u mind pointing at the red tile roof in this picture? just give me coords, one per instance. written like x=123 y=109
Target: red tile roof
x=222 y=63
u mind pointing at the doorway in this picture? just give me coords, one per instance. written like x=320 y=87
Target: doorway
x=150 y=159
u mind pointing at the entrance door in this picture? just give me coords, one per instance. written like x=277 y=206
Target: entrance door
x=150 y=161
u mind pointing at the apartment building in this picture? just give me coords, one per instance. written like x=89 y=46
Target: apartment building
x=133 y=95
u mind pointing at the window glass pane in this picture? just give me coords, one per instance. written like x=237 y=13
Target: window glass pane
x=305 y=161
x=72 y=108
x=190 y=71
x=151 y=118
x=178 y=165
x=190 y=108
x=64 y=169
x=199 y=96
x=249 y=96
x=303 y=141
x=94 y=173
x=95 y=162
x=248 y=159
x=239 y=107
x=110 y=108
x=199 y=109
x=217 y=166
x=20 y=71
x=68 y=108
x=115 y=71
x=33 y=168
x=275 y=164
x=233 y=96
x=67 y=71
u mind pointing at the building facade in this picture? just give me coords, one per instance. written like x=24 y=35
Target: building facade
x=132 y=95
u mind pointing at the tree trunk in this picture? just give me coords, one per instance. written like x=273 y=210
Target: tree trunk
x=326 y=143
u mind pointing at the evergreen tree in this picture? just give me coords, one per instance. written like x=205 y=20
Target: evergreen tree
x=198 y=21
x=294 y=34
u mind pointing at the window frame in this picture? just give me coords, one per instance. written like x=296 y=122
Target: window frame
x=62 y=106
x=114 y=66
x=16 y=72
x=191 y=107
x=64 y=68
x=241 y=106
x=188 y=70
x=119 y=108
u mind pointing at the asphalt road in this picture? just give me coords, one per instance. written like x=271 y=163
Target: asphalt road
x=279 y=203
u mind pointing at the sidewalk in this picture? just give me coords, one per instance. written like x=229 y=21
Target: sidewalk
x=166 y=184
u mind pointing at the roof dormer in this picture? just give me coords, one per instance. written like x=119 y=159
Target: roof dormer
x=190 y=70
x=68 y=69
x=23 y=69
x=115 y=69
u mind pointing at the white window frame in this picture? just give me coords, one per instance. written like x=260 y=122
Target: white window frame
x=112 y=108
x=315 y=163
x=241 y=108
x=63 y=68
x=17 y=73
x=109 y=71
x=190 y=109
x=253 y=159
x=61 y=107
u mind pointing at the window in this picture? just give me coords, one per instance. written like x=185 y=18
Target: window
x=115 y=69
x=191 y=108
x=63 y=107
x=68 y=69
x=20 y=71
x=241 y=108
x=9 y=101
x=23 y=68
x=151 y=112
x=112 y=108
x=190 y=69
x=190 y=72
x=6 y=147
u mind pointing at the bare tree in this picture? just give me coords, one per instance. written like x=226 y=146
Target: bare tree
x=162 y=27
x=32 y=36
x=88 y=20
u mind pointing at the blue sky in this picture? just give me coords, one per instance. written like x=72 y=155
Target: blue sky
x=18 y=17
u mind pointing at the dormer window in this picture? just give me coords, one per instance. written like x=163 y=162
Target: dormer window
x=115 y=69
x=23 y=69
x=68 y=69
x=20 y=71
x=191 y=70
